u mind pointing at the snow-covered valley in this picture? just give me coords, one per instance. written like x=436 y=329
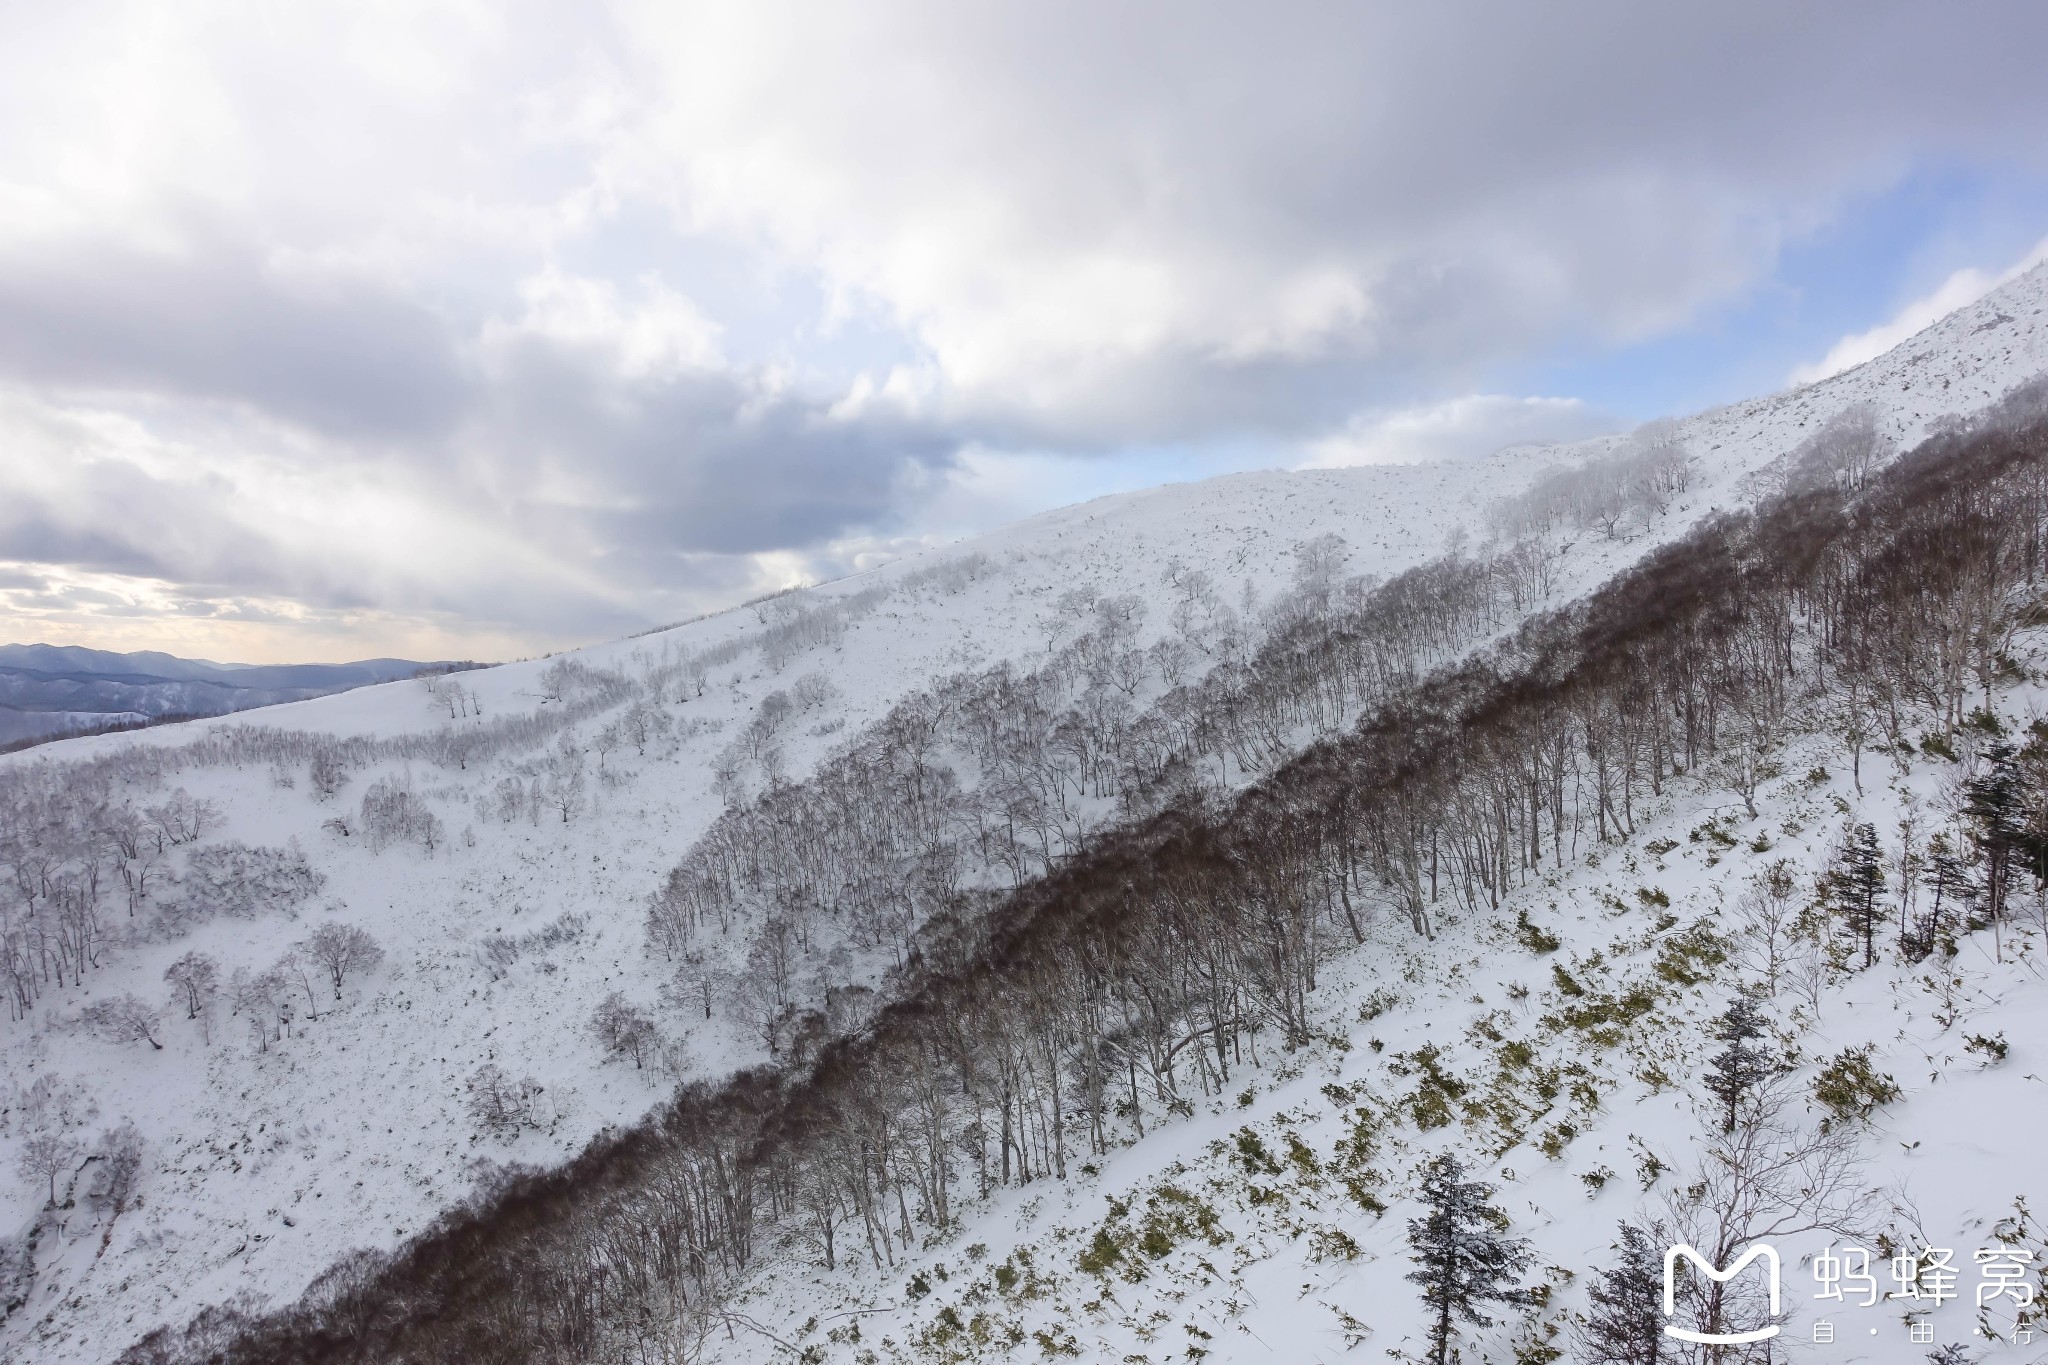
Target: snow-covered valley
x=506 y=838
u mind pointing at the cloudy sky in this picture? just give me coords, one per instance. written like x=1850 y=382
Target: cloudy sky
x=477 y=329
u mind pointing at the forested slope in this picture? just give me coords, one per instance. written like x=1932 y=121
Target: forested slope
x=1159 y=963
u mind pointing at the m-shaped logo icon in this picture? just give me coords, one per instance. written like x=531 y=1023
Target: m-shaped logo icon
x=1761 y=1252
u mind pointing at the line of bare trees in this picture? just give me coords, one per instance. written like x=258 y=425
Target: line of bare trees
x=988 y=779
x=88 y=871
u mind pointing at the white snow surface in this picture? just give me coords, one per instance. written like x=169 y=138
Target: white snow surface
x=264 y=1167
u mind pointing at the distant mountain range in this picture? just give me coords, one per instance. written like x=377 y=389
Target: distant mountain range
x=48 y=691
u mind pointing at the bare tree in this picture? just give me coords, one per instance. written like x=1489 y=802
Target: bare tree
x=342 y=949
x=138 y=856
x=556 y=680
x=263 y=998
x=1746 y=759
x=122 y=1019
x=296 y=965
x=392 y=812
x=727 y=765
x=325 y=774
x=812 y=692
x=184 y=818
x=622 y=1030
x=116 y=1174
x=564 y=788
x=671 y=917
x=1772 y=1176
x=1844 y=453
x=694 y=986
x=645 y=724
x=499 y=1104
x=44 y=1157
x=194 y=979
x=1767 y=911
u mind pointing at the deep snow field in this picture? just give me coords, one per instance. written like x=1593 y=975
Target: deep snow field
x=265 y=1165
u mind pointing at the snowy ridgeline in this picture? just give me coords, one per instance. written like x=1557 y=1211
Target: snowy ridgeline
x=289 y=985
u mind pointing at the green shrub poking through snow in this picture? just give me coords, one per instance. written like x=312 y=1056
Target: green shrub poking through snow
x=1850 y=1088
x=1435 y=1093
x=1992 y=1049
x=1689 y=958
x=1534 y=937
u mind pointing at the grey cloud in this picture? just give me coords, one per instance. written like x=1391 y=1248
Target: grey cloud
x=703 y=462
x=1492 y=174
x=1300 y=123
x=112 y=516
x=18 y=579
x=209 y=322
x=127 y=523
x=676 y=482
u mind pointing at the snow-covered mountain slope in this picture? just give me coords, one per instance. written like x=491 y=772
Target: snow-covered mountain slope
x=1272 y=1223
x=354 y=1128
x=268 y=1157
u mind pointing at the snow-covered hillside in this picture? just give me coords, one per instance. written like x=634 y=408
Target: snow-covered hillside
x=1272 y=1222
x=499 y=836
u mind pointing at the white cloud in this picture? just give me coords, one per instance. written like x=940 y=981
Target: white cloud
x=1960 y=289
x=1143 y=224
x=658 y=335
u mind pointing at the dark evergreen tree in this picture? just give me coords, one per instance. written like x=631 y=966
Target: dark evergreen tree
x=1462 y=1260
x=2032 y=819
x=1854 y=884
x=1996 y=802
x=1626 y=1325
x=1745 y=1063
x=1947 y=876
